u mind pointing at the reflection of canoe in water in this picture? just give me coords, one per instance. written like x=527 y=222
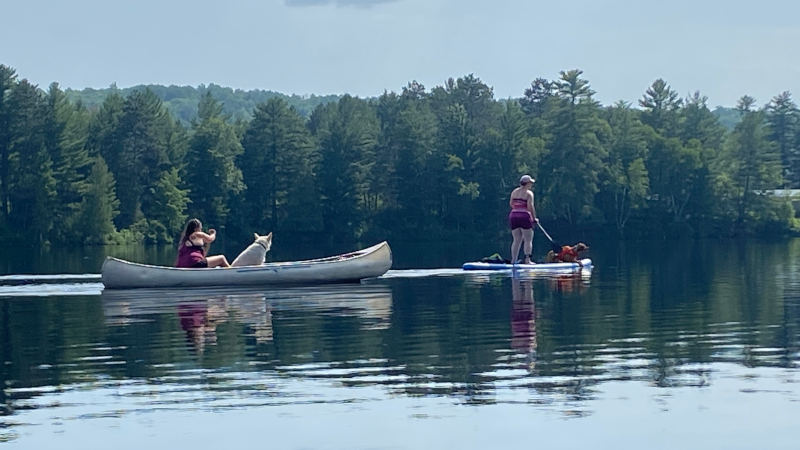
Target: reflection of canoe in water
x=253 y=305
x=544 y=267
x=367 y=263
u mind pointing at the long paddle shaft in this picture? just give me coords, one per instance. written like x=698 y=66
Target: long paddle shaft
x=545 y=232
x=555 y=247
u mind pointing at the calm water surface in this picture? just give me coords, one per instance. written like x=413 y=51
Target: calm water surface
x=663 y=345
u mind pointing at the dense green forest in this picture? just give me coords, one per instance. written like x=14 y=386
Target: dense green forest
x=418 y=164
x=182 y=101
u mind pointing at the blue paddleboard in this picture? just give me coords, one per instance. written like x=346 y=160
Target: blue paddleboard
x=543 y=267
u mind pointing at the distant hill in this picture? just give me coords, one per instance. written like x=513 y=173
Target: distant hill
x=182 y=101
x=728 y=117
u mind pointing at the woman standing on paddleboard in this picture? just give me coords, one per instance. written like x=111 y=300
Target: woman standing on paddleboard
x=522 y=218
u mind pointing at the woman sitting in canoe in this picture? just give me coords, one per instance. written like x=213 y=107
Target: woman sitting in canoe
x=192 y=247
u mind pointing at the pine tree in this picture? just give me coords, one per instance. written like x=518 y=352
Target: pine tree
x=513 y=153
x=698 y=122
x=783 y=118
x=675 y=167
x=212 y=176
x=701 y=134
x=661 y=105
x=103 y=130
x=99 y=206
x=32 y=191
x=8 y=80
x=347 y=134
x=142 y=149
x=574 y=152
x=404 y=168
x=278 y=168
x=535 y=98
x=65 y=138
x=167 y=214
x=755 y=160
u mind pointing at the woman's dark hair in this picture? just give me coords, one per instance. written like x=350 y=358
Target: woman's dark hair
x=191 y=226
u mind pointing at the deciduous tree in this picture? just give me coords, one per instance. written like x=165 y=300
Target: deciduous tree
x=625 y=179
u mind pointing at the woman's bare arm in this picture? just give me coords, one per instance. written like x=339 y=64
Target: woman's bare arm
x=207 y=238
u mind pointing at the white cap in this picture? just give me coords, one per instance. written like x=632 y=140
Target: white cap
x=526 y=179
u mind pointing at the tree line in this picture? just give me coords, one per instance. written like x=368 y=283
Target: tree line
x=419 y=164
x=181 y=101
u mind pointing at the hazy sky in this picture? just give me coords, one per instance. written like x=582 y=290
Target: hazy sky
x=724 y=49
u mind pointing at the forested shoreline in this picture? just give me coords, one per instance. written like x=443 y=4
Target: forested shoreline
x=418 y=164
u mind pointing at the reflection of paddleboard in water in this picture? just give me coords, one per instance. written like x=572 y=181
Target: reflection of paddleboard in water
x=543 y=267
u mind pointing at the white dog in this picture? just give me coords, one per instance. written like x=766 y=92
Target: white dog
x=256 y=253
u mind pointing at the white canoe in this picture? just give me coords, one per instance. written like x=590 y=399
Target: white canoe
x=349 y=267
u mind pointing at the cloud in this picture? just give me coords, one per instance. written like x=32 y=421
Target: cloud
x=355 y=3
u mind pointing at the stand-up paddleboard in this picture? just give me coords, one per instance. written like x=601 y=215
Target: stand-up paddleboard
x=543 y=267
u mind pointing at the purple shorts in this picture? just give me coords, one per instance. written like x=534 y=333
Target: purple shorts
x=520 y=219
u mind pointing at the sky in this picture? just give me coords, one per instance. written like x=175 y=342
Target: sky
x=723 y=49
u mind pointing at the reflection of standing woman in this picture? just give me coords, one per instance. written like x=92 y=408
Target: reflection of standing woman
x=521 y=218
x=523 y=317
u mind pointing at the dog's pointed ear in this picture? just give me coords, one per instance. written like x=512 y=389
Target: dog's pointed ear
x=269 y=236
x=256 y=236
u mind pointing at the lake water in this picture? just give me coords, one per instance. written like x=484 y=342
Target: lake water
x=663 y=345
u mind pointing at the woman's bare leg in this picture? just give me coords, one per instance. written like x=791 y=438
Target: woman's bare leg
x=217 y=261
x=527 y=236
x=516 y=233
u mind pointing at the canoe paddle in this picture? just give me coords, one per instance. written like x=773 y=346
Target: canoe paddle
x=556 y=247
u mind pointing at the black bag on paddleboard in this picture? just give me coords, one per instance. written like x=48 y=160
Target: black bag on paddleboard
x=495 y=259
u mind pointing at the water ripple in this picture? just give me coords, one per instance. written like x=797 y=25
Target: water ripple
x=50 y=289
